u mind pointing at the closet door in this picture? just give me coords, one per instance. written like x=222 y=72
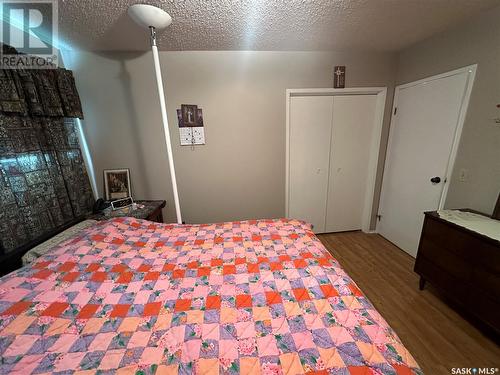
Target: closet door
x=310 y=132
x=351 y=142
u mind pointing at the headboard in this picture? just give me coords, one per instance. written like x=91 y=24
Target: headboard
x=44 y=185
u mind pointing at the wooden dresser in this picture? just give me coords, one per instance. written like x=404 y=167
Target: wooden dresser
x=463 y=264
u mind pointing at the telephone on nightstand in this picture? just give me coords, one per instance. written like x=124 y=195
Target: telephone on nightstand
x=100 y=205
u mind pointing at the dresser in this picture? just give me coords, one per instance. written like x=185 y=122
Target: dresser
x=463 y=264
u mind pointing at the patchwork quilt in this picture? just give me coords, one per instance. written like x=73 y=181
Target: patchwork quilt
x=129 y=296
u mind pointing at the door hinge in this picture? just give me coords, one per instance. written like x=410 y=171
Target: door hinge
x=379 y=217
x=395 y=110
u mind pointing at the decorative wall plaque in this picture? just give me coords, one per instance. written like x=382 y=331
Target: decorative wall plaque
x=339 y=77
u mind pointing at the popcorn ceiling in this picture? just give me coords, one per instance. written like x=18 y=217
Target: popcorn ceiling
x=381 y=25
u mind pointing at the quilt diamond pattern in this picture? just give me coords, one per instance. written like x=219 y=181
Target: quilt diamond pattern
x=128 y=296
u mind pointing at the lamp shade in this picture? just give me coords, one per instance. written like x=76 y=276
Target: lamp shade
x=148 y=15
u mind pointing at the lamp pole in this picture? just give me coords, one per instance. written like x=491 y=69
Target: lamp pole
x=163 y=109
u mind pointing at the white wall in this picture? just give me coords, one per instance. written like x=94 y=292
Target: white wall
x=475 y=42
x=240 y=172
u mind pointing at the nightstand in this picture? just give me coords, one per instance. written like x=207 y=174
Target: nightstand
x=151 y=211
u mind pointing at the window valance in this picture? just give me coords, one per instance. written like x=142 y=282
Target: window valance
x=39 y=92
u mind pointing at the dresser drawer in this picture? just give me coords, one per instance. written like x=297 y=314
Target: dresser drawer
x=447 y=260
x=448 y=237
x=486 y=309
x=487 y=256
x=487 y=282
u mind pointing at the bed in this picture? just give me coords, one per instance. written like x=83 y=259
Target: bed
x=130 y=296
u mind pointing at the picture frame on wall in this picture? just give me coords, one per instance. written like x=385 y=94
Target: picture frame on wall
x=117 y=184
x=190 y=116
x=339 y=77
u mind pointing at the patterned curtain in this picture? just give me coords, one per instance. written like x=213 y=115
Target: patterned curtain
x=43 y=180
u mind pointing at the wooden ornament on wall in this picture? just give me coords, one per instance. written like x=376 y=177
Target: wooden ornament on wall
x=339 y=77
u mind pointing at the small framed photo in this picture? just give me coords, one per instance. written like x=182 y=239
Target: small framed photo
x=117 y=184
x=190 y=116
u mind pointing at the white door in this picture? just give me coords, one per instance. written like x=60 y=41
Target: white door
x=352 y=136
x=422 y=136
x=310 y=127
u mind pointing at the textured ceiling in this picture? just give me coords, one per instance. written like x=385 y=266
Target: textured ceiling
x=384 y=25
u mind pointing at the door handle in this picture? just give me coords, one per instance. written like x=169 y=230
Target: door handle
x=436 y=180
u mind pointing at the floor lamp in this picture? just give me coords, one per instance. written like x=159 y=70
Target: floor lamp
x=154 y=18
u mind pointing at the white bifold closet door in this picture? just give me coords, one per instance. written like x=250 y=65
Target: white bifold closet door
x=352 y=134
x=310 y=133
x=330 y=143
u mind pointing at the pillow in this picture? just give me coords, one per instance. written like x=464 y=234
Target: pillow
x=46 y=246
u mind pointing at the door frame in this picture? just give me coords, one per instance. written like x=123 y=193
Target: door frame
x=381 y=93
x=471 y=70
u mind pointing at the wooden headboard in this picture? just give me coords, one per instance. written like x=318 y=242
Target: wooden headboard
x=44 y=185
x=12 y=260
x=43 y=180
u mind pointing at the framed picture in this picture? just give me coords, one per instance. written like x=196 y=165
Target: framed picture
x=190 y=116
x=339 y=77
x=117 y=184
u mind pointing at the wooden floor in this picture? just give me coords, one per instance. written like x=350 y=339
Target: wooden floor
x=437 y=336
